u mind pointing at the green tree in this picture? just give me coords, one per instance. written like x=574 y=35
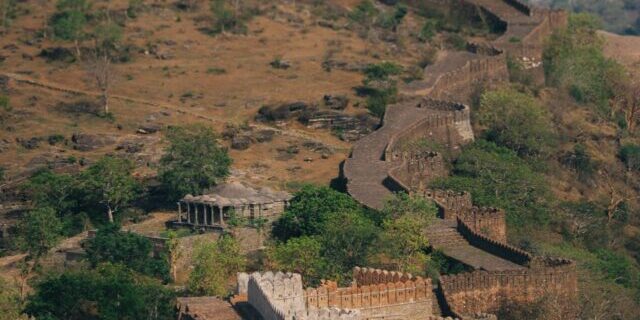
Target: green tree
x=110 y=292
x=347 y=237
x=403 y=243
x=574 y=60
x=70 y=20
x=110 y=183
x=132 y=250
x=213 y=264
x=496 y=177
x=193 y=161
x=309 y=209
x=301 y=255
x=516 y=121
x=38 y=233
x=57 y=191
x=5 y=108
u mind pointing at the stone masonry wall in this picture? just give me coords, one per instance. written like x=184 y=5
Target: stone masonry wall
x=377 y=294
x=482 y=291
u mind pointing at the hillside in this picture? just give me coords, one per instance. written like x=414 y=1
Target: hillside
x=452 y=142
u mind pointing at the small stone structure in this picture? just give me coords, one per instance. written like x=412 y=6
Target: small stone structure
x=212 y=209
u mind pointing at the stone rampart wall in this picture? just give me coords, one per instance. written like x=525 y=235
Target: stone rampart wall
x=490 y=222
x=497 y=248
x=482 y=291
x=377 y=294
x=451 y=203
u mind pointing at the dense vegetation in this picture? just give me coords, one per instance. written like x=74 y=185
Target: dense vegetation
x=324 y=234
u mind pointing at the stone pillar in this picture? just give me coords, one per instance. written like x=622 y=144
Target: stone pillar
x=188 y=212
x=207 y=220
x=179 y=212
x=195 y=207
x=221 y=218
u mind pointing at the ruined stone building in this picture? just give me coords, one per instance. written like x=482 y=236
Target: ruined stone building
x=221 y=203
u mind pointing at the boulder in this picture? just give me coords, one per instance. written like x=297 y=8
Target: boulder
x=149 y=128
x=264 y=135
x=336 y=102
x=88 y=142
x=240 y=142
x=32 y=143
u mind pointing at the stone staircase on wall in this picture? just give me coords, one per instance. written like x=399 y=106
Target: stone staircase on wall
x=443 y=235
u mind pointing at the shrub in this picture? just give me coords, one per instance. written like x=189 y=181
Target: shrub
x=580 y=161
x=213 y=264
x=456 y=41
x=516 y=121
x=393 y=19
x=108 y=292
x=630 y=155
x=428 y=30
x=496 y=177
x=574 y=60
x=380 y=86
x=364 y=13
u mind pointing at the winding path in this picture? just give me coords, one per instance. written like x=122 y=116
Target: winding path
x=368 y=171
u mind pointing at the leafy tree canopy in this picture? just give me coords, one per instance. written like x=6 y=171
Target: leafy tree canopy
x=301 y=255
x=132 y=250
x=193 y=161
x=214 y=263
x=110 y=183
x=39 y=231
x=516 y=121
x=110 y=292
x=310 y=208
x=496 y=177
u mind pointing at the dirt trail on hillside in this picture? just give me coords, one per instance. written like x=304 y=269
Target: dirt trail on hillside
x=167 y=107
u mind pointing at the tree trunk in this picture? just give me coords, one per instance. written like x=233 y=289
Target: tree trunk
x=77 y=46
x=110 y=214
x=105 y=101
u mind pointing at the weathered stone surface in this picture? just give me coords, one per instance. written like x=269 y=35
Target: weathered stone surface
x=339 y=102
x=284 y=111
x=240 y=142
x=264 y=135
x=148 y=128
x=31 y=143
x=88 y=142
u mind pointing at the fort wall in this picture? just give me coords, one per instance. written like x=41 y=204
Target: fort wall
x=482 y=291
x=493 y=246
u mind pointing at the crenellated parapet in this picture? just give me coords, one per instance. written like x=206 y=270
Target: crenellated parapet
x=369 y=276
x=493 y=246
x=490 y=222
